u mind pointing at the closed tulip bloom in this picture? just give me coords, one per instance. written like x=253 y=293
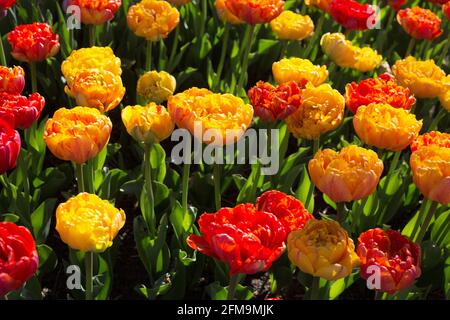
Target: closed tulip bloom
x=346 y=55
x=420 y=23
x=323 y=5
x=90 y=58
x=432 y=138
x=246 y=239
x=224 y=116
x=397 y=258
x=383 y=89
x=148 y=124
x=9 y=146
x=87 y=223
x=255 y=11
x=19 y=259
x=152 y=19
x=156 y=86
x=348 y=175
x=323 y=249
x=12 y=80
x=99 y=89
x=444 y=96
x=78 y=134
x=96 y=12
x=431 y=172
x=423 y=78
x=224 y=14
x=299 y=70
x=24 y=110
x=289 y=210
x=353 y=15
x=33 y=42
x=321 y=110
x=386 y=127
x=292 y=26
x=272 y=103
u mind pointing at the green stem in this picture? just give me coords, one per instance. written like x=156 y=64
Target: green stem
x=315 y=286
x=91 y=29
x=392 y=168
x=148 y=57
x=2 y=52
x=33 y=77
x=223 y=54
x=217 y=188
x=204 y=17
x=284 y=49
x=80 y=177
x=340 y=211
x=248 y=46
x=234 y=281
x=316 y=146
x=425 y=205
x=174 y=48
x=411 y=44
x=426 y=222
x=149 y=188
x=89 y=265
x=441 y=114
x=394 y=162
x=90 y=177
x=185 y=186
x=444 y=51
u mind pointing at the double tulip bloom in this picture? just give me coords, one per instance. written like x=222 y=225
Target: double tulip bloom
x=346 y=55
x=12 y=80
x=348 y=175
x=96 y=12
x=87 y=223
x=299 y=70
x=292 y=26
x=33 y=42
x=6 y=4
x=436 y=138
x=395 y=256
x=383 y=89
x=9 y=146
x=420 y=23
x=323 y=249
x=222 y=116
x=323 y=5
x=152 y=19
x=386 y=127
x=19 y=259
x=255 y=11
x=156 y=86
x=225 y=15
x=78 y=134
x=353 y=15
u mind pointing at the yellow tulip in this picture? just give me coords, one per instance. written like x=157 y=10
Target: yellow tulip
x=87 y=223
x=323 y=249
x=78 y=134
x=351 y=174
x=156 y=86
x=444 y=97
x=386 y=127
x=292 y=26
x=299 y=70
x=149 y=124
x=321 y=110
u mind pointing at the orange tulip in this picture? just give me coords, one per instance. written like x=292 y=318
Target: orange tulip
x=435 y=138
x=255 y=11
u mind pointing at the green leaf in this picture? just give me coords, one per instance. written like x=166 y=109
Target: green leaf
x=182 y=223
x=9 y=217
x=248 y=191
x=158 y=162
x=337 y=287
x=47 y=259
x=216 y=291
x=305 y=190
x=41 y=219
x=440 y=233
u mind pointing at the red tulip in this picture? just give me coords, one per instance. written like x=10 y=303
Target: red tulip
x=289 y=210
x=9 y=147
x=246 y=239
x=396 y=4
x=6 y=4
x=353 y=15
x=33 y=42
x=12 y=80
x=25 y=110
x=420 y=23
x=446 y=9
x=397 y=258
x=18 y=257
x=95 y=12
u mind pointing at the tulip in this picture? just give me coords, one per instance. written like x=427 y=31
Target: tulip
x=25 y=110
x=96 y=12
x=349 y=175
x=9 y=146
x=99 y=89
x=12 y=80
x=292 y=26
x=446 y=9
x=444 y=96
x=397 y=258
x=289 y=210
x=346 y=55
x=386 y=127
x=299 y=70
x=156 y=86
x=321 y=110
x=6 y=4
x=433 y=138
x=322 y=249
x=396 y=4
x=19 y=259
x=420 y=23
x=323 y=5
x=224 y=14
x=383 y=89
x=255 y=11
x=353 y=15
x=423 y=78
x=78 y=134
